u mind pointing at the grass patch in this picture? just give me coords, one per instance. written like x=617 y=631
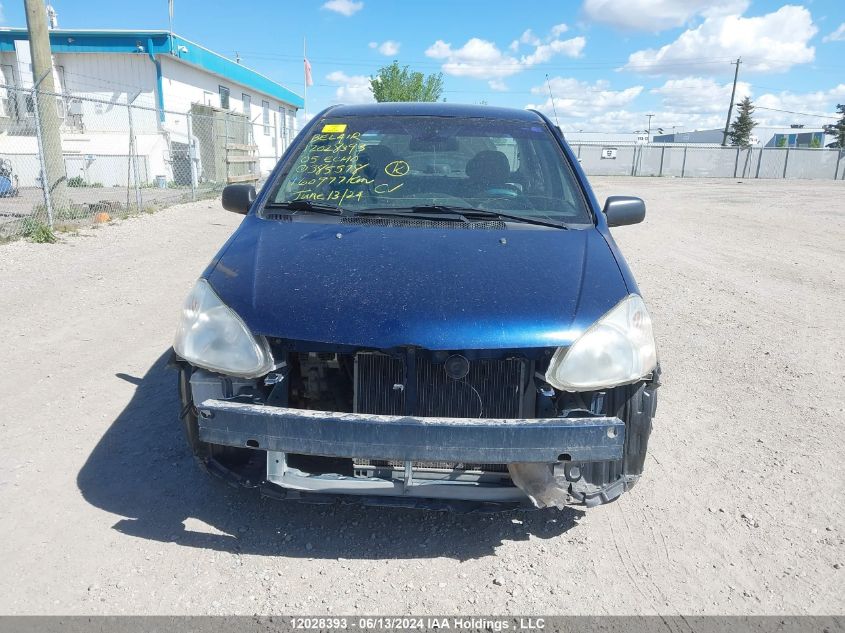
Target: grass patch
x=73 y=212
x=79 y=181
x=38 y=232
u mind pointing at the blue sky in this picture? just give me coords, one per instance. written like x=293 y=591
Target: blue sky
x=609 y=62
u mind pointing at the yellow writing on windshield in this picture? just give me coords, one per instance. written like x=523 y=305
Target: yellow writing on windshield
x=397 y=168
x=338 y=166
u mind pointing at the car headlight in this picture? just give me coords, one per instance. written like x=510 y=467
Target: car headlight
x=617 y=349
x=212 y=336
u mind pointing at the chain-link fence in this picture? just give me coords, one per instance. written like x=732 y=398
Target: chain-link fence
x=122 y=156
x=709 y=161
x=118 y=158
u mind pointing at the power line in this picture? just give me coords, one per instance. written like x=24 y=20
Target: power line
x=586 y=65
x=819 y=116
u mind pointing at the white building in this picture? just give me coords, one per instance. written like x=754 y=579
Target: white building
x=784 y=136
x=165 y=77
x=625 y=138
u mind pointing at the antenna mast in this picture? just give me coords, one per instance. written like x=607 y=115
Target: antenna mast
x=552 y=98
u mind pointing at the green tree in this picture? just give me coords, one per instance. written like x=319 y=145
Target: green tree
x=393 y=83
x=838 y=129
x=782 y=141
x=815 y=143
x=743 y=124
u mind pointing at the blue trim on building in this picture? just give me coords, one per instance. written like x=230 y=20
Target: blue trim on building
x=157 y=44
x=159 y=83
x=219 y=65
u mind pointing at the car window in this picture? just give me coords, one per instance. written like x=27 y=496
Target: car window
x=396 y=162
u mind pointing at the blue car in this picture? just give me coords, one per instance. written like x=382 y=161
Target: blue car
x=423 y=307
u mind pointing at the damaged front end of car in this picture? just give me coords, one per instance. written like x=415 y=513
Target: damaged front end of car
x=405 y=426
x=461 y=332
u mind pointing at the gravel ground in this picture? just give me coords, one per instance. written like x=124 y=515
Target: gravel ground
x=740 y=510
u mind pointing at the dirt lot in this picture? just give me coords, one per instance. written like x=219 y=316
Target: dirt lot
x=14 y=210
x=741 y=509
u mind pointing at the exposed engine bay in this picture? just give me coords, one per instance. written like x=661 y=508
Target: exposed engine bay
x=428 y=385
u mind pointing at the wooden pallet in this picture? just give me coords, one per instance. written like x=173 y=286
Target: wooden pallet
x=241 y=154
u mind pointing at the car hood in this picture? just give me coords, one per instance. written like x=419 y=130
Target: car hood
x=436 y=288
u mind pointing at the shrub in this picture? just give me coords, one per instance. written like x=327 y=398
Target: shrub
x=73 y=212
x=37 y=231
x=76 y=181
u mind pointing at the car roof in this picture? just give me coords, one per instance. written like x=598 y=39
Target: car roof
x=433 y=109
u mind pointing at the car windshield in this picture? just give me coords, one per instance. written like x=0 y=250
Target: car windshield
x=402 y=163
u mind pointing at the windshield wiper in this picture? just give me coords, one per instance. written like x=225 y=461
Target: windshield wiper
x=470 y=211
x=410 y=213
x=306 y=205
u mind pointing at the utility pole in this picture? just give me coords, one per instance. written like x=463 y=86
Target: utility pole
x=731 y=105
x=648 y=131
x=54 y=178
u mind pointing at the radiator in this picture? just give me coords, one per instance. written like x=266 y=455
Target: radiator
x=491 y=389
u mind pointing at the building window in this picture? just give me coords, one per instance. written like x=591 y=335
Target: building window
x=224 y=97
x=61 y=101
x=247 y=102
x=9 y=96
x=265 y=117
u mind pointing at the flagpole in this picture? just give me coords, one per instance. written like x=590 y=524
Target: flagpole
x=305 y=78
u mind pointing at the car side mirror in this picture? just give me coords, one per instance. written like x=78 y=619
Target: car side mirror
x=622 y=210
x=238 y=198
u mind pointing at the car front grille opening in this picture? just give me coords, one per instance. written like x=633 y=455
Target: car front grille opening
x=434 y=471
x=490 y=389
x=431 y=466
x=320 y=465
x=394 y=469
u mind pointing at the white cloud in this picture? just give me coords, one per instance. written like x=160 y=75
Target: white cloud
x=770 y=43
x=353 y=88
x=657 y=15
x=837 y=36
x=698 y=103
x=482 y=59
x=477 y=58
x=497 y=84
x=544 y=52
x=388 y=47
x=528 y=37
x=820 y=102
x=628 y=121
x=699 y=95
x=344 y=7
x=575 y=99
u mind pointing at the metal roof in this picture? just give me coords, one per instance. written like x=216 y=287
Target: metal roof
x=160 y=44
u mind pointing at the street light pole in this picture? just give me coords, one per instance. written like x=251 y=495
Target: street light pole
x=648 y=132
